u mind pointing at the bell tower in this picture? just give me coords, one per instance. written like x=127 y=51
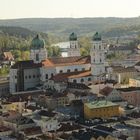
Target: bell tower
x=74 y=49
x=38 y=51
x=97 y=54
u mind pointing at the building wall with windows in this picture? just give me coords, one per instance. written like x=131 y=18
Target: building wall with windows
x=100 y=109
x=31 y=78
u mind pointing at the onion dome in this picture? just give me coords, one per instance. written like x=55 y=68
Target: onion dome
x=37 y=43
x=73 y=37
x=97 y=37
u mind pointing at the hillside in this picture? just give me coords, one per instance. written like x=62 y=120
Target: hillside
x=110 y=27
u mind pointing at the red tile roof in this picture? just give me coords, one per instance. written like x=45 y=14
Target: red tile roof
x=106 y=91
x=63 y=77
x=60 y=61
x=8 y=56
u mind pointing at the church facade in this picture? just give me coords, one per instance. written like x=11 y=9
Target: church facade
x=41 y=71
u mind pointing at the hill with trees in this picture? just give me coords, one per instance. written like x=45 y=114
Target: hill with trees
x=109 y=27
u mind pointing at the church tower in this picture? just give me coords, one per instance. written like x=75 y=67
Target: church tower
x=97 y=54
x=38 y=51
x=74 y=49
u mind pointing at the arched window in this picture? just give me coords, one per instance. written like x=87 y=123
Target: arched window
x=46 y=76
x=76 y=70
x=82 y=80
x=51 y=74
x=68 y=70
x=74 y=81
x=100 y=60
x=89 y=79
x=33 y=76
x=29 y=76
x=61 y=71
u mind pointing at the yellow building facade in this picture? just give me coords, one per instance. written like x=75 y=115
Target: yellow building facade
x=100 y=109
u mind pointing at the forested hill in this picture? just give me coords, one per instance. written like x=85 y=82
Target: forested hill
x=82 y=26
x=16 y=31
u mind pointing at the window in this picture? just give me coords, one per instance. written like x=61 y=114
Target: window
x=33 y=76
x=29 y=76
x=37 y=57
x=61 y=71
x=99 y=47
x=51 y=74
x=94 y=47
x=46 y=76
x=89 y=79
x=83 y=69
x=15 y=77
x=82 y=80
x=100 y=60
x=93 y=60
x=25 y=77
x=68 y=70
x=74 y=81
x=76 y=70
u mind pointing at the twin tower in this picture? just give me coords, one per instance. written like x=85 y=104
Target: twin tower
x=97 y=52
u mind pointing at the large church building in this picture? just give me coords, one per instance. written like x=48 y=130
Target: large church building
x=41 y=71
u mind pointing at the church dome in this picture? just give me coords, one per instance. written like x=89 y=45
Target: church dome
x=73 y=37
x=37 y=43
x=97 y=37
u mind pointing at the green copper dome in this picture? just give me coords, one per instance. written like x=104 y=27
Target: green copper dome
x=97 y=37
x=37 y=43
x=73 y=37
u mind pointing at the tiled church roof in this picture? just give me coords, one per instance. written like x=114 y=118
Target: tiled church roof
x=64 y=61
x=63 y=77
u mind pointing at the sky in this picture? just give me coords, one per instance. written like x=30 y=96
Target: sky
x=11 y=9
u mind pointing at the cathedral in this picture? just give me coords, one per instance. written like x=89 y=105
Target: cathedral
x=44 y=72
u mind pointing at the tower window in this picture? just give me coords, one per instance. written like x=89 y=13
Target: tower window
x=61 y=71
x=46 y=76
x=89 y=79
x=37 y=57
x=51 y=74
x=83 y=69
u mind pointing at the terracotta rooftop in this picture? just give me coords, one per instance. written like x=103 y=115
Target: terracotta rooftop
x=32 y=131
x=120 y=69
x=68 y=127
x=8 y=56
x=106 y=91
x=3 y=129
x=77 y=86
x=65 y=76
x=60 y=61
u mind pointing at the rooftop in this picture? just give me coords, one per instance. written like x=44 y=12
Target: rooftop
x=106 y=91
x=100 y=104
x=28 y=64
x=63 y=77
x=129 y=89
x=60 y=61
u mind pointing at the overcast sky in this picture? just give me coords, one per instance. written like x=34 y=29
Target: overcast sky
x=10 y=9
